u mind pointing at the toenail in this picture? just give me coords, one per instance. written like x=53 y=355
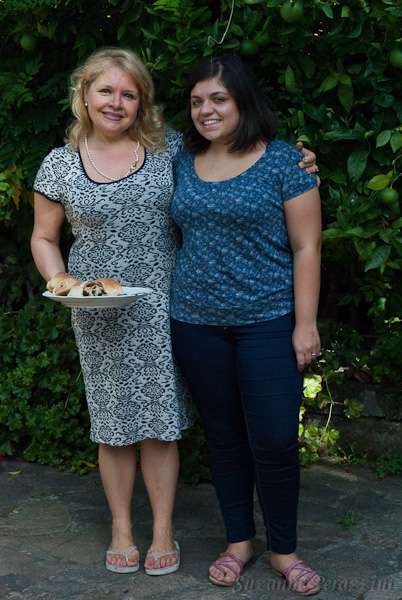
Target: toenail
x=149 y=564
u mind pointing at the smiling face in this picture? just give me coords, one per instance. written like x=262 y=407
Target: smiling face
x=113 y=102
x=213 y=110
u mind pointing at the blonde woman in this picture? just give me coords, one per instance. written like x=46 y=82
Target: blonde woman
x=113 y=182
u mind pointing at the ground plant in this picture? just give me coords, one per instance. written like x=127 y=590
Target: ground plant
x=333 y=70
x=389 y=464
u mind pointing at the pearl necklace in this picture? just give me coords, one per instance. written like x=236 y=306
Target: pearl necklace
x=131 y=169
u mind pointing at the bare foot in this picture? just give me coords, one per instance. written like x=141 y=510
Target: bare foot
x=306 y=583
x=241 y=550
x=161 y=544
x=121 y=543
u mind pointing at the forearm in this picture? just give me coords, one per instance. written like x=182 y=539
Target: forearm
x=306 y=339
x=47 y=257
x=306 y=282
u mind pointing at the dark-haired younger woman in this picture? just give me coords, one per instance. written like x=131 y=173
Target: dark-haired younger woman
x=244 y=306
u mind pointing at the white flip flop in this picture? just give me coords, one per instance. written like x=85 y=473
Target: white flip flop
x=164 y=570
x=120 y=568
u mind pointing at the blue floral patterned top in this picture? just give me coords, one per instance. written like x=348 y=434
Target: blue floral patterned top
x=235 y=265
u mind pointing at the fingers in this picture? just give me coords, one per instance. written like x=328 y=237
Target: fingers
x=311 y=169
x=305 y=358
x=306 y=344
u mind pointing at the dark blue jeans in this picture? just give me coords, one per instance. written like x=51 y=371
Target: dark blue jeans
x=245 y=383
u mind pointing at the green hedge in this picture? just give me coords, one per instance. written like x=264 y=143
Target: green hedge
x=335 y=77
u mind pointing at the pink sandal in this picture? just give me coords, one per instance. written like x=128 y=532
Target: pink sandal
x=303 y=571
x=223 y=562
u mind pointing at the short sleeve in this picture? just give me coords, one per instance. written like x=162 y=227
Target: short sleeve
x=48 y=181
x=295 y=180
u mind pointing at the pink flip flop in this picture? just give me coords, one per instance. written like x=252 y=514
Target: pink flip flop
x=303 y=572
x=223 y=562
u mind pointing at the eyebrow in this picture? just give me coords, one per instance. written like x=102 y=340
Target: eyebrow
x=213 y=94
x=108 y=85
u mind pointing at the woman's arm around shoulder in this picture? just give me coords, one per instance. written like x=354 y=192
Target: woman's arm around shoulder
x=309 y=160
x=303 y=223
x=49 y=217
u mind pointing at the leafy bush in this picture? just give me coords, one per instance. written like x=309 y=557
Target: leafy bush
x=41 y=388
x=336 y=80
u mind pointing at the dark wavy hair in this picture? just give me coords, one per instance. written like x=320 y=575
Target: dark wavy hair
x=257 y=122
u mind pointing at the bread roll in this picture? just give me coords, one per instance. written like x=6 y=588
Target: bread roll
x=64 y=286
x=51 y=284
x=77 y=290
x=110 y=286
x=106 y=286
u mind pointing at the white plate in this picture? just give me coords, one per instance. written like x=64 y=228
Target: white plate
x=131 y=294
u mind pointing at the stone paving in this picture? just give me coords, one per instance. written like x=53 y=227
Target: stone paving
x=54 y=530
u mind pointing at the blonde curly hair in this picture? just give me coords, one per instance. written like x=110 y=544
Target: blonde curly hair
x=148 y=128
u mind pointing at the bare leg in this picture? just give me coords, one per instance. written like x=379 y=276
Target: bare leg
x=117 y=466
x=280 y=562
x=160 y=471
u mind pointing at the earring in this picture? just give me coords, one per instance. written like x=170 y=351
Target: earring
x=86 y=103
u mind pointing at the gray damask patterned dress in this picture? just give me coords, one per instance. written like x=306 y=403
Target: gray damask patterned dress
x=124 y=230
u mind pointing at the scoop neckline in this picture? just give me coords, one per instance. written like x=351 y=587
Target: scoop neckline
x=110 y=182
x=236 y=176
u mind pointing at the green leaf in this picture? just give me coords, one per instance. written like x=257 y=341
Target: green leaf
x=328 y=83
x=357 y=162
x=345 y=300
x=378 y=258
x=174 y=43
x=384 y=100
x=149 y=35
x=290 y=82
x=250 y=18
x=346 y=79
x=318 y=114
x=121 y=31
x=355 y=232
x=308 y=65
x=328 y=11
x=312 y=384
x=396 y=141
x=356 y=31
x=237 y=30
x=304 y=138
x=337 y=177
x=341 y=134
x=383 y=138
x=346 y=96
x=378 y=182
x=330 y=234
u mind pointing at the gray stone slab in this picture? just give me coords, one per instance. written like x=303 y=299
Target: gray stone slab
x=21 y=577
x=37 y=516
x=86 y=548
x=56 y=542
